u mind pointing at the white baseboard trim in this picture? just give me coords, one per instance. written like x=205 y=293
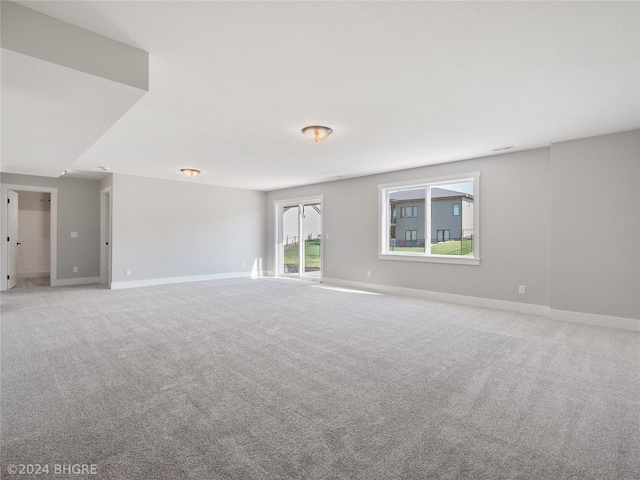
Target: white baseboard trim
x=563 y=315
x=169 y=280
x=597 y=320
x=65 y=282
x=33 y=274
x=443 y=297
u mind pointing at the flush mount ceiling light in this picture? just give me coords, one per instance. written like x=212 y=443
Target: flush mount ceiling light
x=189 y=172
x=316 y=133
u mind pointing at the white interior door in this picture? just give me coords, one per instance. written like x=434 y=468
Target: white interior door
x=12 y=239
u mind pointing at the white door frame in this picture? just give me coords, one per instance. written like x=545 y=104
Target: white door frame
x=106 y=223
x=13 y=235
x=4 y=228
x=279 y=247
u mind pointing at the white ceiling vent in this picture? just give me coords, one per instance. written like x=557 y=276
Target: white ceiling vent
x=503 y=149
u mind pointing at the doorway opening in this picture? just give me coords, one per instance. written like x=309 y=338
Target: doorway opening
x=33 y=241
x=29 y=254
x=299 y=238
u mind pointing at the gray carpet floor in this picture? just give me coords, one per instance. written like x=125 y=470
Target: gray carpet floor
x=278 y=379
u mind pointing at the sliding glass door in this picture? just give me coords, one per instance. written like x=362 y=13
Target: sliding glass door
x=290 y=257
x=300 y=238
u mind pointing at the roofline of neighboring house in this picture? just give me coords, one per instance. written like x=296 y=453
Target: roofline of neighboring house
x=440 y=193
x=463 y=195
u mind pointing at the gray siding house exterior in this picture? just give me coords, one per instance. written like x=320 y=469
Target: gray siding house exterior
x=451 y=216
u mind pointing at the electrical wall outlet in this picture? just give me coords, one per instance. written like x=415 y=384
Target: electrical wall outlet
x=522 y=289
x=75 y=269
x=128 y=271
x=368 y=273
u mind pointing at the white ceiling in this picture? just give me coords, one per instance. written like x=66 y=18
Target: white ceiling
x=402 y=84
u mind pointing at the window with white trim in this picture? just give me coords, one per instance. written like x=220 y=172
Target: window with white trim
x=438 y=220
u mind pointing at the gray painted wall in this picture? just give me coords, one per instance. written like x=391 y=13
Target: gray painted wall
x=514 y=230
x=168 y=229
x=532 y=204
x=595 y=262
x=78 y=211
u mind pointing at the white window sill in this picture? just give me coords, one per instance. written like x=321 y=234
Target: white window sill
x=413 y=257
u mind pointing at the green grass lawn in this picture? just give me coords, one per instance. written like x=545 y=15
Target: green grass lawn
x=444 y=248
x=454 y=247
x=311 y=253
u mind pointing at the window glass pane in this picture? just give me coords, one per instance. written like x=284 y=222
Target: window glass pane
x=312 y=236
x=407 y=233
x=290 y=240
x=452 y=234
x=449 y=228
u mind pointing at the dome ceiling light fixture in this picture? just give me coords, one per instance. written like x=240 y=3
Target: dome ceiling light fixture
x=189 y=172
x=316 y=133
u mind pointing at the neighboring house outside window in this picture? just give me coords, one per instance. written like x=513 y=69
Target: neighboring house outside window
x=411 y=220
x=445 y=214
x=451 y=220
x=443 y=235
x=410 y=235
x=409 y=211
